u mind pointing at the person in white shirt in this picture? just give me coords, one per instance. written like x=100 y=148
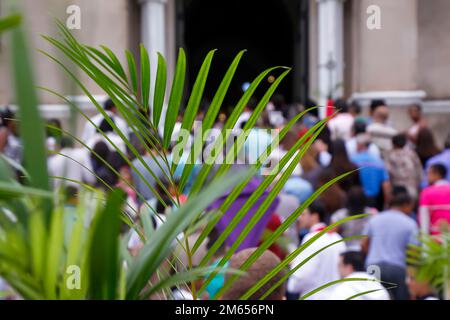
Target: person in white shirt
x=352 y=146
x=380 y=131
x=90 y=130
x=70 y=163
x=351 y=266
x=341 y=125
x=322 y=268
x=287 y=205
x=107 y=134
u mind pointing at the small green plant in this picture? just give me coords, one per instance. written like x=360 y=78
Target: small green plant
x=432 y=260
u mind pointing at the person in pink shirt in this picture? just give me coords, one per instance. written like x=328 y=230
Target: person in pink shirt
x=435 y=199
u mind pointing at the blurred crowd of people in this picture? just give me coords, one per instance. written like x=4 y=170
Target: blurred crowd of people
x=399 y=180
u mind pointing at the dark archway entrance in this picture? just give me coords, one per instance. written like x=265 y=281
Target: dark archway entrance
x=268 y=29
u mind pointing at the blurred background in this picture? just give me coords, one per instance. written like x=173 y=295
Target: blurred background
x=337 y=48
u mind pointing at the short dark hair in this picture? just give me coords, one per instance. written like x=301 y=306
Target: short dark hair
x=109 y=104
x=99 y=154
x=71 y=192
x=400 y=199
x=356 y=200
x=259 y=269
x=355 y=106
x=399 y=140
x=116 y=160
x=396 y=189
x=105 y=126
x=439 y=169
x=318 y=207
x=374 y=104
x=355 y=259
x=66 y=142
x=7 y=116
x=252 y=103
x=416 y=106
x=447 y=142
x=359 y=127
x=341 y=105
x=278 y=101
x=213 y=236
x=162 y=205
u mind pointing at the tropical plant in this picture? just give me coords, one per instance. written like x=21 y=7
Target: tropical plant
x=40 y=258
x=32 y=253
x=432 y=260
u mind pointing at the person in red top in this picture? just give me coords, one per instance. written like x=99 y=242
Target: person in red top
x=435 y=200
x=279 y=246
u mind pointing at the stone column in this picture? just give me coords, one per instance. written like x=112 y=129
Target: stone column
x=153 y=34
x=330 y=50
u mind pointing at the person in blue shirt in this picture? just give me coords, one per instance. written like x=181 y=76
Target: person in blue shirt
x=441 y=158
x=373 y=174
x=389 y=235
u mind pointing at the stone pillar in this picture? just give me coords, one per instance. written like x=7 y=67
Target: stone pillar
x=330 y=50
x=153 y=34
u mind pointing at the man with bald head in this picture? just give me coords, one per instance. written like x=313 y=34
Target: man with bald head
x=380 y=131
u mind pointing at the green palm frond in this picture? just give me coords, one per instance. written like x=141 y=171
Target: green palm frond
x=10 y=22
x=432 y=259
x=35 y=256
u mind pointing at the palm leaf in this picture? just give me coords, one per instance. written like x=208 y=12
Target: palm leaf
x=10 y=22
x=105 y=63
x=206 y=168
x=236 y=192
x=132 y=71
x=104 y=249
x=145 y=77
x=11 y=190
x=256 y=195
x=115 y=63
x=277 y=233
x=176 y=95
x=209 y=119
x=160 y=90
x=186 y=277
x=31 y=124
x=154 y=251
x=285 y=263
x=54 y=252
x=196 y=95
x=332 y=283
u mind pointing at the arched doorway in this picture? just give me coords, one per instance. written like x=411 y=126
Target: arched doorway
x=267 y=29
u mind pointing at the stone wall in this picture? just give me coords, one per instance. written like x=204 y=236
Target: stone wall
x=434 y=48
x=103 y=22
x=382 y=59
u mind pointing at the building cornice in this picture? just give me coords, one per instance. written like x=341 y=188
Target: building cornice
x=154 y=1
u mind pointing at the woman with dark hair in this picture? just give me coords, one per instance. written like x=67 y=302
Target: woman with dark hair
x=105 y=132
x=341 y=164
x=333 y=197
x=99 y=155
x=54 y=134
x=120 y=177
x=426 y=145
x=356 y=204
